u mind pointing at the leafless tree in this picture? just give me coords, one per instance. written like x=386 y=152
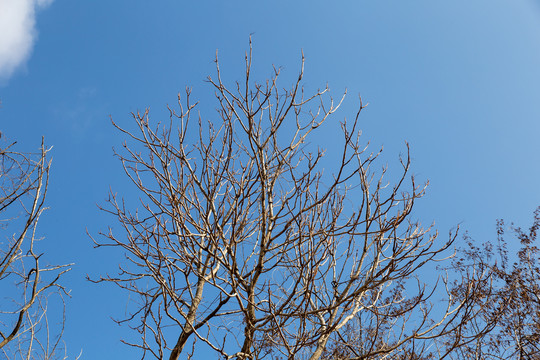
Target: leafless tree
x=243 y=246
x=26 y=283
x=514 y=293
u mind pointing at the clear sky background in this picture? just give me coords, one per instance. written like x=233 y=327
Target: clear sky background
x=459 y=80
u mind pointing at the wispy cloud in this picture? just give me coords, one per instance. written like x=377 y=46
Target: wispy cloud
x=17 y=32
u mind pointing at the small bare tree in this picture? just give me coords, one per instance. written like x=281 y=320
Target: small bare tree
x=514 y=294
x=243 y=246
x=26 y=284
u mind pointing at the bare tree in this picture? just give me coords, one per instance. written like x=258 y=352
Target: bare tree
x=242 y=245
x=514 y=295
x=26 y=283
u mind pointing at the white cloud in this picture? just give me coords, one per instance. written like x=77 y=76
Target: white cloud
x=17 y=32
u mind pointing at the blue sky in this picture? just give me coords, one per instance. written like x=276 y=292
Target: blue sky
x=459 y=80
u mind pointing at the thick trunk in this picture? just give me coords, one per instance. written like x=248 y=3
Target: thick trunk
x=320 y=348
x=190 y=321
